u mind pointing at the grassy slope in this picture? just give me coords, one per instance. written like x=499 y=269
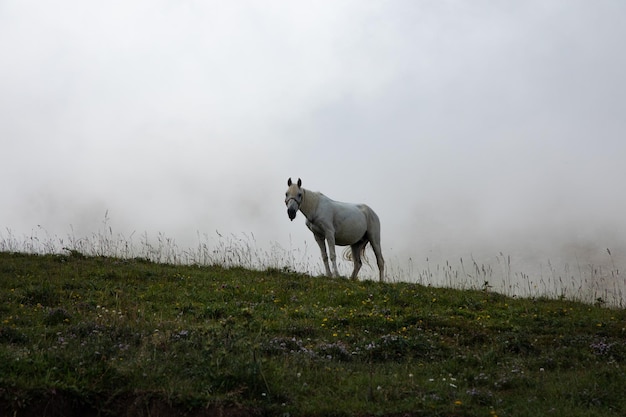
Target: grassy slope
x=106 y=335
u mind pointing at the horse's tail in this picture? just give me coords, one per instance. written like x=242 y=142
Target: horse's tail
x=347 y=255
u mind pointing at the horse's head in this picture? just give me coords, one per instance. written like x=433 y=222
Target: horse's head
x=293 y=198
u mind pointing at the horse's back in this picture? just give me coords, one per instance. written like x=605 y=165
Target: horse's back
x=356 y=211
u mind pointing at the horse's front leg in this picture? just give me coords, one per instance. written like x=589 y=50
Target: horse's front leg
x=321 y=241
x=330 y=238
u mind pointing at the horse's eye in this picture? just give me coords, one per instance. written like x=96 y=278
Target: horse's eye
x=299 y=195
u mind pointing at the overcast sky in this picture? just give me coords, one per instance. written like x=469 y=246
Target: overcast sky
x=467 y=125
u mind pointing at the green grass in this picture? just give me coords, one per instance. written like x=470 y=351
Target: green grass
x=108 y=336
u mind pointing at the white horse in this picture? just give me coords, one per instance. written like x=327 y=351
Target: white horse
x=338 y=223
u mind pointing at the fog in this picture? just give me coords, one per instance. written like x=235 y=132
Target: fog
x=477 y=131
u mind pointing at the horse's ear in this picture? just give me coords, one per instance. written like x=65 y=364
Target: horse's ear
x=289 y=182
x=299 y=183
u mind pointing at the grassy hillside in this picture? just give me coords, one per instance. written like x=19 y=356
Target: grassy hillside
x=102 y=336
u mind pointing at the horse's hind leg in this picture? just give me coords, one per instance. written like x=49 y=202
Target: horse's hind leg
x=373 y=235
x=357 y=249
x=379 y=258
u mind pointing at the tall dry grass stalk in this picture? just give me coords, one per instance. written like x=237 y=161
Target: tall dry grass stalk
x=600 y=284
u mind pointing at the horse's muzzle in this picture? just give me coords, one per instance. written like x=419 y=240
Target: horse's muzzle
x=291 y=212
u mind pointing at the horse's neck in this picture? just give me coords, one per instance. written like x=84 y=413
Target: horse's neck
x=309 y=203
